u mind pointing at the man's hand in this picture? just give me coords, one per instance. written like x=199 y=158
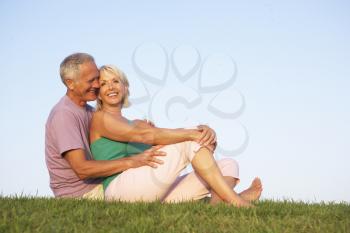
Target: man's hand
x=148 y=157
x=208 y=135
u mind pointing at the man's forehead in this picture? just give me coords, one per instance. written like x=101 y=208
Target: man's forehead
x=89 y=68
x=88 y=65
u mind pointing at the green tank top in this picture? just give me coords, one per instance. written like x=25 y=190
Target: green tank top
x=106 y=149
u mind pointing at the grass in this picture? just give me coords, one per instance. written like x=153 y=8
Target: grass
x=25 y=214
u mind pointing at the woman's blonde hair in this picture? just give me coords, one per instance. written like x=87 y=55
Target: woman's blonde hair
x=111 y=69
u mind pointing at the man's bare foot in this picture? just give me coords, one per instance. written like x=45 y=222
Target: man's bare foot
x=253 y=192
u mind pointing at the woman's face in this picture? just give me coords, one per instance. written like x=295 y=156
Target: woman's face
x=112 y=90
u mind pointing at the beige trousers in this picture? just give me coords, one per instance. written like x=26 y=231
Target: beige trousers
x=164 y=183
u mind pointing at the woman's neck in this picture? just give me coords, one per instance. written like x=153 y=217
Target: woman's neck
x=116 y=111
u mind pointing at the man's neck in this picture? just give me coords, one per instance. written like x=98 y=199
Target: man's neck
x=76 y=99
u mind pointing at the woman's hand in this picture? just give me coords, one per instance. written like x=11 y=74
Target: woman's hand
x=150 y=123
x=207 y=137
x=148 y=157
x=212 y=147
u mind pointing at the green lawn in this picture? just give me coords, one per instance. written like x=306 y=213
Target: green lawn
x=53 y=215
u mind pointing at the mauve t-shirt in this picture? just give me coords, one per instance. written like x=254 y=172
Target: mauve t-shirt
x=67 y=128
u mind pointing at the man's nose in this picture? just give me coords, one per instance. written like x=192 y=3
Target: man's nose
x=96 y=84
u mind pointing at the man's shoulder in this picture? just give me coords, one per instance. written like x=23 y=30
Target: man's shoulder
x=64 y=108
x=60 y=108
x=66 y=105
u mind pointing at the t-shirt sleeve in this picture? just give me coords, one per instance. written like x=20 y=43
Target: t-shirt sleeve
x=66 y=131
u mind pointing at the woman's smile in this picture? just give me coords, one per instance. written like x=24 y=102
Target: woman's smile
x=112 y=94
x=112 y=97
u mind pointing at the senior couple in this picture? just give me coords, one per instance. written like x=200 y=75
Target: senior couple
x=100 y=154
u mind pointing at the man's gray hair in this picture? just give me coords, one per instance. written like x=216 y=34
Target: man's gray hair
x=69 y=68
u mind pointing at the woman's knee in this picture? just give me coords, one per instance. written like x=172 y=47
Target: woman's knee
x=191 y=148
x=229 y=167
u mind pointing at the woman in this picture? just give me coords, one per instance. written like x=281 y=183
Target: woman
x=144 y=177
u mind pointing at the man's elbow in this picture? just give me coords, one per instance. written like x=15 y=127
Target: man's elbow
x=83 y=176
x=83 y=172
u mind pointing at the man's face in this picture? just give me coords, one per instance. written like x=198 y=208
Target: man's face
x=86 y=85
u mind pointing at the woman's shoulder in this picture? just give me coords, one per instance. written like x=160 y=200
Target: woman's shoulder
x=96 y=116
x=99 y=117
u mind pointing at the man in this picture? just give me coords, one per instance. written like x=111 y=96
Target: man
x=73 y=172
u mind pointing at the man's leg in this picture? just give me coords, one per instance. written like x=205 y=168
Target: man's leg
x=95 y=194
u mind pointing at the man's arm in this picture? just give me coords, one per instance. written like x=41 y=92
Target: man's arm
x=97 y=168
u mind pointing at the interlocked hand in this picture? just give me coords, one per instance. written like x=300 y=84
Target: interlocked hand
x=208 y=135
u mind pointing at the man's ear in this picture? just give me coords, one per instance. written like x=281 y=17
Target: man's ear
x=70 y=84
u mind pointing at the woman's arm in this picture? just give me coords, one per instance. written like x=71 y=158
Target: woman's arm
x=108 y=126
x=143 y=123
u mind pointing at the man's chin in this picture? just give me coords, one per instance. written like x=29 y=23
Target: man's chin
x=91 y=97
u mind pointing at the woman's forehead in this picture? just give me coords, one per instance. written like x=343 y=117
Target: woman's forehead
x=108 y=76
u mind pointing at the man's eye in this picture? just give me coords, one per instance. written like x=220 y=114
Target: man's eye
x=102 y=84
x=116 y=81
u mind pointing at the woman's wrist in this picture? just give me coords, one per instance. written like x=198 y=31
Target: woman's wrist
x=194 y=135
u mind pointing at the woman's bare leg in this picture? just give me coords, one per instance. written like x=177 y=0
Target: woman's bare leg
x=192 y=187
x=206 y=167
x=252 y=193
x=230 y=181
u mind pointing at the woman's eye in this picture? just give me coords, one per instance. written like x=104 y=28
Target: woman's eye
x=102 y=84
x=116 y=81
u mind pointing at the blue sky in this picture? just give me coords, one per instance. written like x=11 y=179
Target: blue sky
x=292 y=61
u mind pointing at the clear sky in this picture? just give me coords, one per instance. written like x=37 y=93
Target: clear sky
x=291 y=75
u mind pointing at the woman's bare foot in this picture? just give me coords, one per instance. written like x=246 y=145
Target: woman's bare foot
x=253 y=192
x=236 y=200
x=243 y=203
